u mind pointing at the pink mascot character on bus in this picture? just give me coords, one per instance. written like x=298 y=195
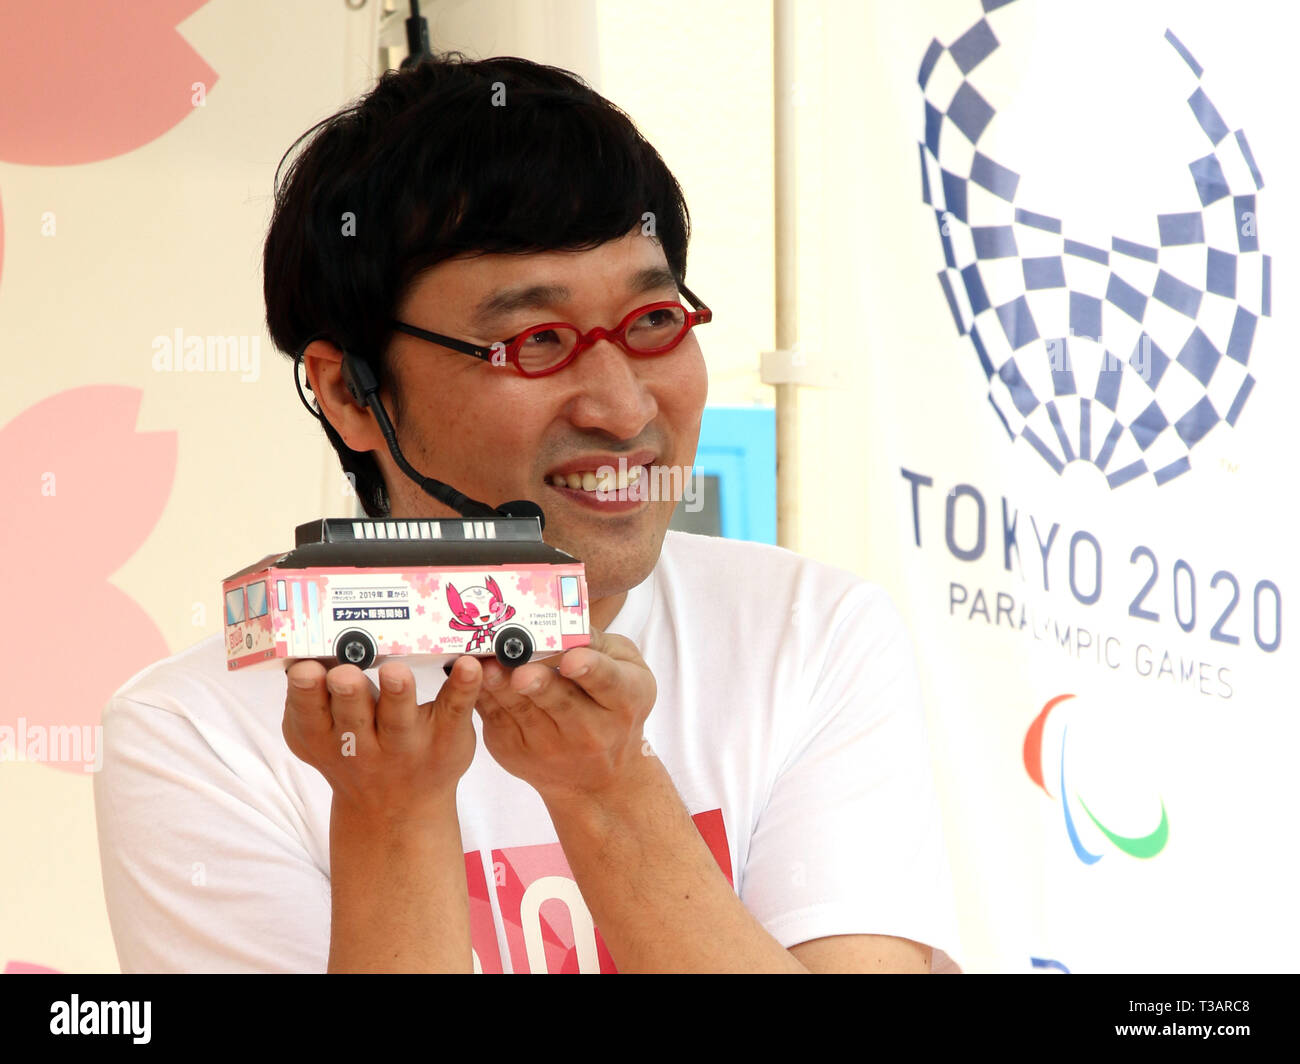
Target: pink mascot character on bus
x=478 y=609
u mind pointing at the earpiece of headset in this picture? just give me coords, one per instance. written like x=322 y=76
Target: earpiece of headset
x=359 y=379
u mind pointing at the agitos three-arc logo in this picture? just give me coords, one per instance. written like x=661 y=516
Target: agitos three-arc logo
x=1135 y=846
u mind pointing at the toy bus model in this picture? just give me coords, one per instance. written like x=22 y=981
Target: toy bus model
x=354 y=591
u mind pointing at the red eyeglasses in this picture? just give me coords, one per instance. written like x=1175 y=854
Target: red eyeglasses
x=654 y=329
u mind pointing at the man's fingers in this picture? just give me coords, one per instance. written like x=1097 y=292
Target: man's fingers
x=396 y=713
x=618 y=647
x=457 y=696
x=612 y=675
x=352 y=702
x=306 y=701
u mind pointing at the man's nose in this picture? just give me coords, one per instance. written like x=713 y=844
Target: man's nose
x=614 y=395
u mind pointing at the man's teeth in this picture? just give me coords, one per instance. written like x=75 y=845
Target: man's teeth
x=591 y=480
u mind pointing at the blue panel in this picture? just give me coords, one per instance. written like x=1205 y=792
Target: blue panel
x=1221 y=273
x=927 y=64
x=993 y=241
x=1058 y=357
x=973 y=46
x=1038 y=221
x=1021 y=394
x=948 y=255
x=1244 y=211
x=1108 y=444
x=970 y=112
x=1250 y=158
x=1001 y=417
x=1174 y=293
x=1185 y=228
x=1054 y=416
x=1243 y=333
x=1211 y=185
x=1086 y=251
x=1181 y=50
x=933 y=126
x=980 y=350
x=1123 y=476
x=952 y=302
x=738 y=445
x=1148 y=425
x=1134 y=251
x=997 y=179
x=1215 y=128
x=1235 y=410
x=1038 y=445
x=1085 y=315
x=1123 y=295
x=954 y=193
x=1017 y=323
x=1045 y=272
x=1149 y=361
x=1108 y=382
x=1172 y=470
x=1197 y=421
x=1199 y=356
x=979 y=300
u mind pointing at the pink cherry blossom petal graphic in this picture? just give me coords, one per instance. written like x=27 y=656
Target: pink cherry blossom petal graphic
x=84 y=80
x=84 y=490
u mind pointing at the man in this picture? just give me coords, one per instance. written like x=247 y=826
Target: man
x=733 y=776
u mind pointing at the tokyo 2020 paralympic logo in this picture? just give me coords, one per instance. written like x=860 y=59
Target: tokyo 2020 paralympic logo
x=1124 y=356
x=1039 y=767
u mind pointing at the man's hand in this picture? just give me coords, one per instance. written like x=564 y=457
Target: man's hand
x=399 y=900
x=385 y=757
x=574 y=730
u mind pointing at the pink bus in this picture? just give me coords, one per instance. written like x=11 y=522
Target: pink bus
x=357 y=591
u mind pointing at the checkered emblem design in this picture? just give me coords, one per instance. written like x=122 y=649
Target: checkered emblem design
x=1124 y=357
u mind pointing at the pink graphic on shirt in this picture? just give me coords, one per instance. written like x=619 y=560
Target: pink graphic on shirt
x=83 y=490
x=548 y=926
x=482 y=931
x=27 y=968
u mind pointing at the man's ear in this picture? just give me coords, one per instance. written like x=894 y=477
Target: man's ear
x=354 y=423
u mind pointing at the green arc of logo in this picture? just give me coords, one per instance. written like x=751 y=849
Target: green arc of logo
x=1140 y=846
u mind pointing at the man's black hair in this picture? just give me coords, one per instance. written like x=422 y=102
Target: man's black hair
x=452 y=156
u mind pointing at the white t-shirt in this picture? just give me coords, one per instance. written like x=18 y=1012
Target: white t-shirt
x=788 y=715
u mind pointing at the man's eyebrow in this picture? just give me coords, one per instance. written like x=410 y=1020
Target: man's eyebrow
x=538 y=296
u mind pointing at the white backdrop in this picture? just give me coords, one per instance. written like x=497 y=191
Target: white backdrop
x=1065 y=530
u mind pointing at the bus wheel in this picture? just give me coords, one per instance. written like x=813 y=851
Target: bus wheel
x=513 y=647
x=355 y=648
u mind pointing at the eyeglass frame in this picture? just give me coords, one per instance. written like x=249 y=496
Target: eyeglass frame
x=700 y=315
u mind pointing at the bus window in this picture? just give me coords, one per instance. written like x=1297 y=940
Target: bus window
x=279 y=595
x=235 y=606
x=569 y=591
x=257 y=599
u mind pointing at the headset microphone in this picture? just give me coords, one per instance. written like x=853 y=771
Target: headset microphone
x=364 y=387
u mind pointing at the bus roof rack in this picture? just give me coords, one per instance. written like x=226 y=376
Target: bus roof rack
x=447 y=529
